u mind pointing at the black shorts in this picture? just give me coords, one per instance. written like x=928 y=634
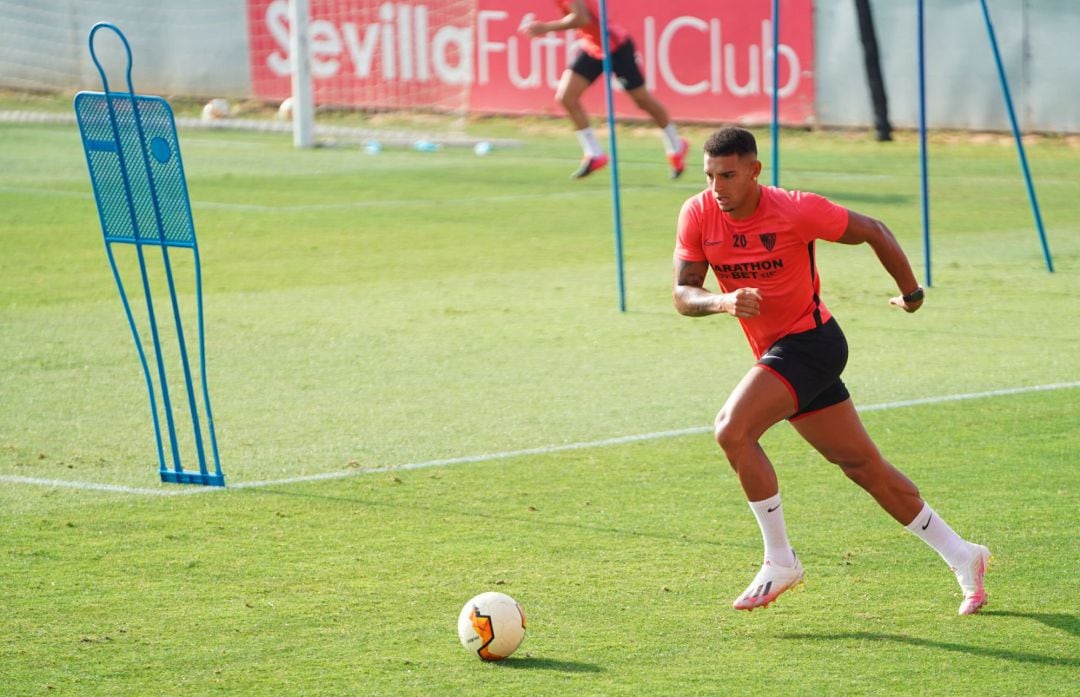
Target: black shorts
x=810 y=364
x=623 y=64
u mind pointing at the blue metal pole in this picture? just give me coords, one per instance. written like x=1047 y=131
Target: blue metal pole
x=1019 y=140
x=923 y=165
x=160 y=222
x=615 y=202
x=202 y=364
x=776 y=92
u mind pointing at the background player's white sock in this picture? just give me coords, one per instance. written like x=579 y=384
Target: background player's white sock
x=770 y=518
x=671 y=137
x=589 y=145
x=931 y=529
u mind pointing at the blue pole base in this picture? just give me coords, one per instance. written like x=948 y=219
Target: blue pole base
x=193 y=478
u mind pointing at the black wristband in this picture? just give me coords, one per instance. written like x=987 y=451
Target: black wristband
x=914 y=296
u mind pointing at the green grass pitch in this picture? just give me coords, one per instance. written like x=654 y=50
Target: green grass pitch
x=367 y=312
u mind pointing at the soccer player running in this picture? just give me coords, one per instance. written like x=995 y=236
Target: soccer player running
x=583 y=16
x=759 y=241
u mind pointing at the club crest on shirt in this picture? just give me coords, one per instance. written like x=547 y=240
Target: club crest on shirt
x=768 y=239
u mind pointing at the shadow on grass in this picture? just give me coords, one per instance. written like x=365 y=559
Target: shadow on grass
x=1004 y=654
x=449 y=510
x=533 y=663
x=1054 y=620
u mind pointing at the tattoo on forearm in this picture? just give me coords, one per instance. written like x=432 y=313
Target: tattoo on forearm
x=691 y=297
x=690 y=276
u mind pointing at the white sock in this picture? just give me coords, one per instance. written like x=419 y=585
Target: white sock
x=589 y=145
x=770 y=518
x=671 y=137
x=931 y=529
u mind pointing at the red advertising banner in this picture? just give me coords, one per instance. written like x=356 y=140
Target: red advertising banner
x=705 y=60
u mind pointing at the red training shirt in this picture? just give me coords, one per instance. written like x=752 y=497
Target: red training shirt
x=772 y=250
x=589 y=35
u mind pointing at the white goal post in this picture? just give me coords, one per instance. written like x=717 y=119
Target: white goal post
x=367 y=57
x=303 y=97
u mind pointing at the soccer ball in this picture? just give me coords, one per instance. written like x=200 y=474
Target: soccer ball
x=491 y=625
x=215 y=109
x=284 y=112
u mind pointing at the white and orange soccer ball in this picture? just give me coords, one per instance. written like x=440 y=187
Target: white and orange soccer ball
x=491 y=625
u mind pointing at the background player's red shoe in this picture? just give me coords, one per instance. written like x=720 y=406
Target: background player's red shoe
x=590 y=165
x=678 y=159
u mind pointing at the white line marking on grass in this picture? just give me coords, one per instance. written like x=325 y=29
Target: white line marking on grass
x=347 y=205
x=40 y=191
x=488 y=457
x=971 y=395
x=86 y=486
x=397 y=202
x=413 y=203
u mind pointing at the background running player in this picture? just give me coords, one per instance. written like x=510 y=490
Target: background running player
x=759 y=242
x=584 y=16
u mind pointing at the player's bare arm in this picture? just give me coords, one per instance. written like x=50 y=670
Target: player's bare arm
x=862 y=228
x=692 y=299
x=577 y=18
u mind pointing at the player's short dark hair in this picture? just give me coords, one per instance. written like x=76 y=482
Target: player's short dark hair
x=731 y=141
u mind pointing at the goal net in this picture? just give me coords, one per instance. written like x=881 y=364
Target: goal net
x=364 y=64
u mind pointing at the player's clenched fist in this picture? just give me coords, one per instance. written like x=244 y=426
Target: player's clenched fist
x=743 y=302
